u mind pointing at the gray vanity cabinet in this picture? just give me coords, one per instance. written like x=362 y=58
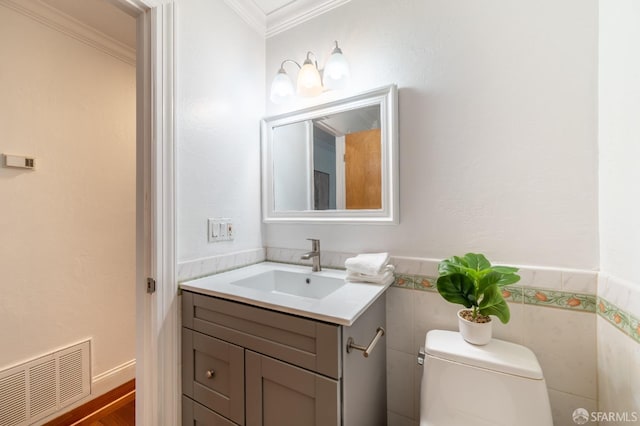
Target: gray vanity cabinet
x=245 y=365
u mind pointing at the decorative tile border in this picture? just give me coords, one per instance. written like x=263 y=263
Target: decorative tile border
x=620 y=319
x=578 y=281
x=516 y=294
x=415 y=282
x=512 y=293
x=560 y=299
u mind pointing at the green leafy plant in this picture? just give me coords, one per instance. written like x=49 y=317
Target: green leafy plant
x=473 y=282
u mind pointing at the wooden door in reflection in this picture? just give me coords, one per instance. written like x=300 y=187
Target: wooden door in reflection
x=363 y=177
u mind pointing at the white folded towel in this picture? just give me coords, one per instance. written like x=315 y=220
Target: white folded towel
x=384 y=278
x=368 y=263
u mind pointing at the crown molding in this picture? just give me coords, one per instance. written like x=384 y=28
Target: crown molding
x=133 y=7
x=283 y=18
x=71 y=27
x=298 y=12
x=250 y=13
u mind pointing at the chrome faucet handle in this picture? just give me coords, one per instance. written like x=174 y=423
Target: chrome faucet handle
x=314 y=254
x=315 y=244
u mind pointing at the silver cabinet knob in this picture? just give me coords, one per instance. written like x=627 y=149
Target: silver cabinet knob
x=210 y=374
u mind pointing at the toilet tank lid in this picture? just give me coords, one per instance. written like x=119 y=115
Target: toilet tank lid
x=497 y=355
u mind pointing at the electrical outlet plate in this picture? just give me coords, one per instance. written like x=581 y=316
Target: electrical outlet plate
x=219 y=229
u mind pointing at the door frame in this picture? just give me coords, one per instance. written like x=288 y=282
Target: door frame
x=157 y=322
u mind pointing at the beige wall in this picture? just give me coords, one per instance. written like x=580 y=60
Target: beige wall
x=67 y=229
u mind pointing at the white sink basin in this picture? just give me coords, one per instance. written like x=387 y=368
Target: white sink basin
x=292 y=283
x=284 y=288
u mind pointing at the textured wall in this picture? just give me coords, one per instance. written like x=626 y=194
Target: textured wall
x=498 y=127
x=67 y=229
x=619 y=131
x=220 y=82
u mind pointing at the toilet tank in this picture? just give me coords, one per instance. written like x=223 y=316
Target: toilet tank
x=500 y=383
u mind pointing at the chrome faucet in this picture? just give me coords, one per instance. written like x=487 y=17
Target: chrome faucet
x=314 y=254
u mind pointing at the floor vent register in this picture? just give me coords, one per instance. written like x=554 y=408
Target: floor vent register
x=42 y=386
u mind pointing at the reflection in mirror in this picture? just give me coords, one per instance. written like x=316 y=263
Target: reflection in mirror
x=346 y=159
x=291 y=166
x=333 y=161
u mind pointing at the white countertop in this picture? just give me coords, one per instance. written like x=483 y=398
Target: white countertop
x=343 y=306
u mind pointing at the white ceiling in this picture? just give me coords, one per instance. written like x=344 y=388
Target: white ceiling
x=269 y=6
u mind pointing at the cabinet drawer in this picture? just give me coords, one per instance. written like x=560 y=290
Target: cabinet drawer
x=213 y=374
x=310 y=344
x=194 y=414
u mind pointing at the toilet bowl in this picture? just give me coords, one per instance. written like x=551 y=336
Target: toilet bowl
x=500 y=383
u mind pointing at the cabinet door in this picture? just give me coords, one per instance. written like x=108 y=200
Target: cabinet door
x=213 y=374
x=280 y=394
x=194 y=414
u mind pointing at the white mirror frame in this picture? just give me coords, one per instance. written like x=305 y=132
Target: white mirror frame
x=387 y=98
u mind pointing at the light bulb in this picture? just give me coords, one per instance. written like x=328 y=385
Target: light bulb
x=309 y=82
x=336 y=72
x=281 y=88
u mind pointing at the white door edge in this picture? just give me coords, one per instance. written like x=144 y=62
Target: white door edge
x=157 y=322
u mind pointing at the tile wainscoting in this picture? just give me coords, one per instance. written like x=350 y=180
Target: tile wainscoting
x=583 y=326
x=552 y=312
x=618 y=334
x=580 y=324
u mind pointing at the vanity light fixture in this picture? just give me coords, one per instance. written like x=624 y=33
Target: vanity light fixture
x=309 y=82
x=336 y=72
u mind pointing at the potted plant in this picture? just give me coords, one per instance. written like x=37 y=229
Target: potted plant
x=473 y=282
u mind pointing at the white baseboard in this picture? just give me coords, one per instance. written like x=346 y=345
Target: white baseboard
x=110 y=379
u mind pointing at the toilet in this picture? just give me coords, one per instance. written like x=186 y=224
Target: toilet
x=500 y=383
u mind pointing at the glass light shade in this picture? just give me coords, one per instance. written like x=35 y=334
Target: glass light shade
x=281 y=88
x=309 y=82
x=336 y=72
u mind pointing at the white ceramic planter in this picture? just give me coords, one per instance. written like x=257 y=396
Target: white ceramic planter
x=473 y=332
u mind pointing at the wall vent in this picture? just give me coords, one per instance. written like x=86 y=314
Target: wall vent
x=42 y=386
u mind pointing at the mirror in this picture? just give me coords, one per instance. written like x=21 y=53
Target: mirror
x=335 y=162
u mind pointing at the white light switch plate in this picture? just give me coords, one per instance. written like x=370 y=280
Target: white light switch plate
x=219 y=229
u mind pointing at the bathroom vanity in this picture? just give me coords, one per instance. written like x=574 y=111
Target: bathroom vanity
x=254 y=353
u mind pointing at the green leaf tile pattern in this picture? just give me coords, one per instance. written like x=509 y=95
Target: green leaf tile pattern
x=560 y=299
x=624 y=321
x=513 y=293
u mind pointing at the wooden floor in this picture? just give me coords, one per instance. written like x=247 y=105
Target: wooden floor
x=115 y=408
x=123 y=416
